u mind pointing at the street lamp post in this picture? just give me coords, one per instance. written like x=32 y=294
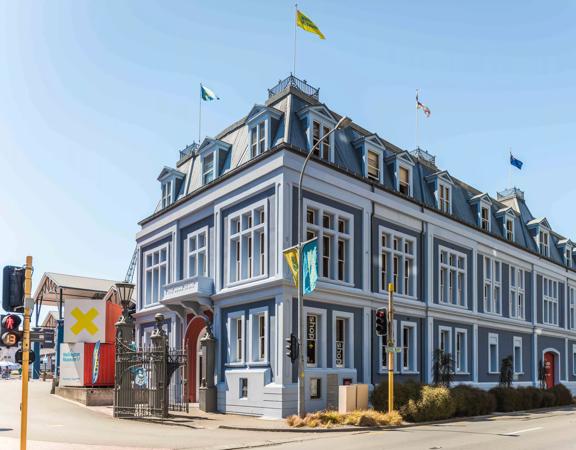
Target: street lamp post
x=342 y=123
x=125 y=324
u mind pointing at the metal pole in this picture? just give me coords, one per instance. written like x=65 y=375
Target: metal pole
x=295 y=30
x=28 y=303
x=417 y=143
x=391 y=350
x=200 y=114
x=301 y=321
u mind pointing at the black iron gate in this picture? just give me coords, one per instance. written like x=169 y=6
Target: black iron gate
x=150 y=382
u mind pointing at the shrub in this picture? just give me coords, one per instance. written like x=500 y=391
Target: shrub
x=471 y=401
x=562 y=395
x=530 y=398
x=507 y=399
x=435 y=403
x=403 y=392
x=327 y=419
x=548 y=399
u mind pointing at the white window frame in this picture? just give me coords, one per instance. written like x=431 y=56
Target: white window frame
x=151 y=268
x=509 y=234
x=348 y=336
x=380 y=154
x=464 y=271
x=485 y=225
x=464 y=350
x=568 y=256
x=493 y=340
x=550 y=302
x=254 y=337
x=167 y=192
x=233 y=345
x=213 y=171
x=408 y=167
x=442 y=329
x=412 y=349
x=323 y=123
x=383 y=368
x=236 y=237
x=543 y=242
x=402 y=256
x=321 y=337
x=571 y=307
x=492 y=286
x=444 y=205
x=260 y=127
x=196 y=253
x=517 y=343
x=319 y=231
x=517 y=292
x=573 y=359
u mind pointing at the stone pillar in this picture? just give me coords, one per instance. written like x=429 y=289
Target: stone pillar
x=207 y=387
x=123 y=400
x=160 y=367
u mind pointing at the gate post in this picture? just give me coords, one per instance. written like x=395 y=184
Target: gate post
x=123 y=400
x=160 y=366
x=207 y=387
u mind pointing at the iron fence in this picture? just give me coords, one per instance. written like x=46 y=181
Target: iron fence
x=150 y=381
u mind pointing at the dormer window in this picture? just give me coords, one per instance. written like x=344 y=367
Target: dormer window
x=444 y=197
x=509 y=228
x=320 y=133
x=208 y=168
x=258 y=138
x=544 y=242
x=568 y=256
x=405 y=180
x=374 y=165
x=485 y=217
x=166 y=193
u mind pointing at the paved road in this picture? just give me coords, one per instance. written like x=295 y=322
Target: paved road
x=56 y=424
x=536 y=431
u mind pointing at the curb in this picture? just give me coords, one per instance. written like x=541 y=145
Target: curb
x=351 y=428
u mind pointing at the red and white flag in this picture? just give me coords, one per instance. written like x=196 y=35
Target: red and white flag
x=422 y=106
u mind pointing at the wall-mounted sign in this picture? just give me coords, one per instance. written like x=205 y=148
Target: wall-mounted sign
x=72 y=364
x=84 y=321
x=95 y=362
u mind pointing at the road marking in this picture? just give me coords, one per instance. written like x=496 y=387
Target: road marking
x=515 y=433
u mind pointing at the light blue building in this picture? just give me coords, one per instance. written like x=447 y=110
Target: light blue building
x=476 y=275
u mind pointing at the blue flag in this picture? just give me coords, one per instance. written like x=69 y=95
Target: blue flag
x=516 y=162
x=310 y=265
x=207 y=94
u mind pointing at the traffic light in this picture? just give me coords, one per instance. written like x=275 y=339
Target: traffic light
x=292 y=348
x=13 y=288
x=10 y=333
x=381 y=322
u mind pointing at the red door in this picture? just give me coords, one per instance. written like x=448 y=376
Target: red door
x=549 y=366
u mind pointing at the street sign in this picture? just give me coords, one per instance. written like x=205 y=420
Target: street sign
x=42 y=335
x=393 y=349
x=31 y=356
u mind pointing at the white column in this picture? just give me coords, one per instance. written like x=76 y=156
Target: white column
x=367 y=344
x=475 y=353
x=367 y=253
x=283 y=372
x=216 y=327
x=429 y=348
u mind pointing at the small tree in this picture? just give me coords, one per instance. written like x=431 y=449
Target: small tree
x=506 y=372
x=443 y=369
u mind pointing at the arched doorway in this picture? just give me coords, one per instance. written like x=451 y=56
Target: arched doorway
x=196 y=329
x=199 y=364
x=550 y=368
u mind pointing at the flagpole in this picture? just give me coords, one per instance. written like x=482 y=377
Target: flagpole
x=417 y=143
x=200 y=114
x=295 y=30
x=510 y=167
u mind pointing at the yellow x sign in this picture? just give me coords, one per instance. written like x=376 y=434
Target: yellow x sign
x=84 y=321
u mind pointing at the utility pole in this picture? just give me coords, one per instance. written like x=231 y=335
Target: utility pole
x=28 y=303
x=391 y=347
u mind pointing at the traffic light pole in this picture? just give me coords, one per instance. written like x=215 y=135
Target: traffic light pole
x=391 y=350
x=28 y=303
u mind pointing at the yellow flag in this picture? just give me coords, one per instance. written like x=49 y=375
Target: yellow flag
x=306 y=24
x=291 y=255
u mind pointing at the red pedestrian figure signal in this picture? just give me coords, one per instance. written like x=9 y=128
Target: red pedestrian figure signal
x=10 y=335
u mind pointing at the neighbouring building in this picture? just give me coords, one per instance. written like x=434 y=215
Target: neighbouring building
x=475 y=275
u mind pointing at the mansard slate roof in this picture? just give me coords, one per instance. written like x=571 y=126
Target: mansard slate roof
x=289 y=106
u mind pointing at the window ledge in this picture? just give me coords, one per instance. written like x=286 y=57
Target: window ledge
x=452 y=305
x=493 y=373
x=236 y=364
x=489 y=313
x=338 y=282
x=246 y=281
x=258 y=364
x=408 y=372
x=518 y=373
x=462 y=373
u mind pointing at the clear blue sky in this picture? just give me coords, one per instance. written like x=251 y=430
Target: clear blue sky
x=97 y=96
